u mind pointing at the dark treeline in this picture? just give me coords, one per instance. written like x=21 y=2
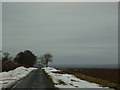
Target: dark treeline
x=26 y=58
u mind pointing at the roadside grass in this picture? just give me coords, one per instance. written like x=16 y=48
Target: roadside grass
x=61 y=82
x=73 y=80
x=101 y=82
x=50 y=79
x=61 y=72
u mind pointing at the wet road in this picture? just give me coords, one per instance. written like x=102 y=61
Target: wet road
x=35 y=80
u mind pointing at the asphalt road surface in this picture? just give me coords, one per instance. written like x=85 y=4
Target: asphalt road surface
x=35 y=80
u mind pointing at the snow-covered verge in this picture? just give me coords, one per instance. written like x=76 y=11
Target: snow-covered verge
x=10 y=78
x=68 y=80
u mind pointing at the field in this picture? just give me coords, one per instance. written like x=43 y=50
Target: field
x=106 y=74
x=105 y=77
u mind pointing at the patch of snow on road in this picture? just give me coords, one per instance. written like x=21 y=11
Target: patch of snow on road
x=70 y=80
x=9 y=78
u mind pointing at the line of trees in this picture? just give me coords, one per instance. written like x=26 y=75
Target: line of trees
x=29 y=59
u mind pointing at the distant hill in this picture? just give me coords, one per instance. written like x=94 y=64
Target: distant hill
x=86 y=66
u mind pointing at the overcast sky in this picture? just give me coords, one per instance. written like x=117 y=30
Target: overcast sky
x=0 y=26
x=74 y=33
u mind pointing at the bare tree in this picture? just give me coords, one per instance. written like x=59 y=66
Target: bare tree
x=47 y=58
x=40 y=61
x=6 y=55
x=43 y=60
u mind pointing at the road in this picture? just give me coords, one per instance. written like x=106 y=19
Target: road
x=35 y=80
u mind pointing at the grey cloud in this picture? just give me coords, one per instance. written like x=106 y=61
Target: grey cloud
x=79 y=31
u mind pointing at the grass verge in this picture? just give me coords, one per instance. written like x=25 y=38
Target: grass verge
x=61 y=82
x=101 y=82
x=51 y=81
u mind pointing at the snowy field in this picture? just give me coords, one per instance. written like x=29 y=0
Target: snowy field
x=10 y=78
x=70 y=81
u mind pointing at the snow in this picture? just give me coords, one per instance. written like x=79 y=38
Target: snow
x=9 y=78
x=70 y=80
